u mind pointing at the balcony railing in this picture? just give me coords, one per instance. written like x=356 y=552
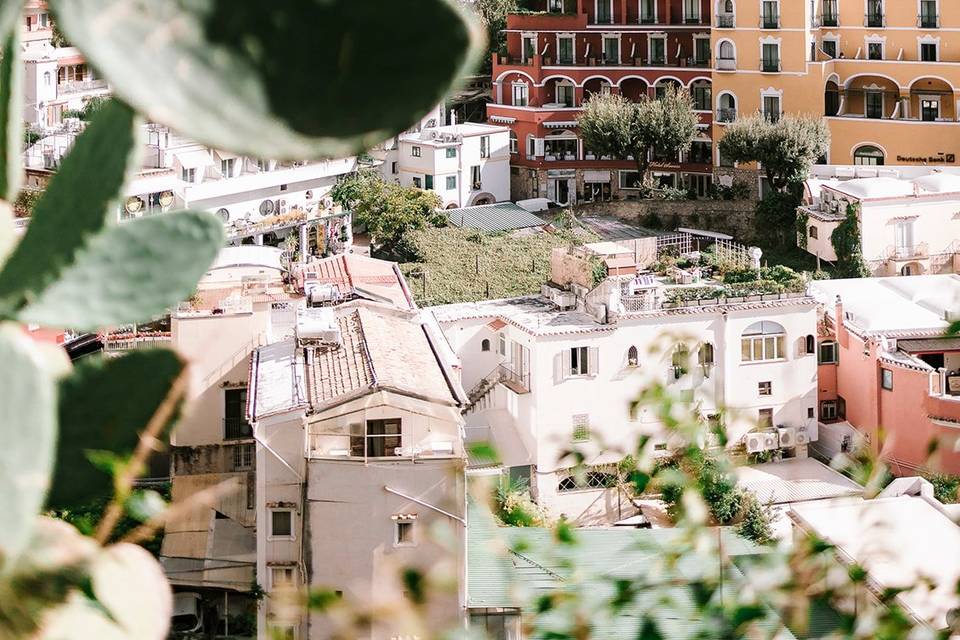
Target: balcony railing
x=770 y=21
x=726 y=115
x=874 y=20
x=518 y=382
x=770 y=66
x=79 y=86
x=909 y=252
x=691 y=20
x=726 y=21
x=648 y=20
x=829 y=20
x=236 y=429
x=726 y=64
x=928 y=21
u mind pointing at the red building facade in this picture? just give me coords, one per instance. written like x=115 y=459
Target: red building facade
x=557 y=58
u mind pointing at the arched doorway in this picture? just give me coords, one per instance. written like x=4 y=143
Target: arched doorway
x=831 y=99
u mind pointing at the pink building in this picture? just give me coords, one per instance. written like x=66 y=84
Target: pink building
x=889 y=370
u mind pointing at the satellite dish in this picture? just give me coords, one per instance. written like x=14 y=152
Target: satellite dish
x=266 y=207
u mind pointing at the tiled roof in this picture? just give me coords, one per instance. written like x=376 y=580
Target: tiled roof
x=502 y=216
x=379 y=349
x=796 y=480
x=352 y=273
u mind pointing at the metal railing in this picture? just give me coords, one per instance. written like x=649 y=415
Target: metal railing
x=726 y=64
x=509 y=374
x=829 y=20
x=770 y=21
x=927 y=21
x=726 y=21
x=78 y=86
x=726 y=115
x=770 y=66
x=236 y=429
x=874 y=20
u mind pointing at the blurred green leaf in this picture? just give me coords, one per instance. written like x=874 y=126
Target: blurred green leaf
x=130 y=272
x=104 y=406
x=144 y=505
x=11 y=116
x=28 y=425
x=132 y=600
x=9 y=15
x=75 y=207
x=281 y=79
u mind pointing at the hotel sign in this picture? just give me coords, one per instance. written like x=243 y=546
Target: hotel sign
x=942 y=158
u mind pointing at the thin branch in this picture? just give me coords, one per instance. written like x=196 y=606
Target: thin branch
x=207 y=497
x=148 y=439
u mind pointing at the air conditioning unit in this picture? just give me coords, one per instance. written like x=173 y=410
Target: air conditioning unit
x=328 y=203
x=756 y=442
x=339 y=453
x=787 y=437
x=281 y=206
x=771 y=441
x=802 y=438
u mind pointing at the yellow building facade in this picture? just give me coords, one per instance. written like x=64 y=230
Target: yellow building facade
x=884 y=73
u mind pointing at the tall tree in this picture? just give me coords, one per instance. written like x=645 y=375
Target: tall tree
x=785 y=149
x=493 y=16
x=388 y=210
x=613 y=125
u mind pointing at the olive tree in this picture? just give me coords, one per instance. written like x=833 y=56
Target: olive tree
x=613 y=125
x=785 y=149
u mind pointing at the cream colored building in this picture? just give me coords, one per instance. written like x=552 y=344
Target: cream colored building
x=908 y=226
x=884 y=73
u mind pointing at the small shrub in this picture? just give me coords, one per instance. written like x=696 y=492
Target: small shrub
x=515 y=507
x=757 y=522
x=945 y=487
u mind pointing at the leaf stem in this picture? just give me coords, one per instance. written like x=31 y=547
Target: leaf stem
x=124 y=482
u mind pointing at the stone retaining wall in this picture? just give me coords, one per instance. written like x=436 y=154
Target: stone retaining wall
x=734 y=217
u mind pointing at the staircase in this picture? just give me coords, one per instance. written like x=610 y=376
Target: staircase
x=502 y=374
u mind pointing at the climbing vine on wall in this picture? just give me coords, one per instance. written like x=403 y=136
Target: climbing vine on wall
x=803 y=220
x=846 y=242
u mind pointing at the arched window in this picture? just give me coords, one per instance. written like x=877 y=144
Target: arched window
x=485 y=345
x=633 y=357
x=680 y=360
x=728 y=6
x=727 y=51
x=763 y=341
x=46 y=78
x=868 y=155
x=569 y=483
x=705 y=355
x=811 y=344
x=727 y=107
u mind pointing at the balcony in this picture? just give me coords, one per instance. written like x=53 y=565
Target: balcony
x=725 y=21
x=770 y=21
x=908 y=252
x=770 y=66
x=829 y=20
x=928 y=21
x=69 y=87
x=875 y=20
x=726 y=115
x=236 y=429
x=513 y=380
x=726 y=64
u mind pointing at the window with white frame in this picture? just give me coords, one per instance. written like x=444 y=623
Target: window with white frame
x=611 y=50
x=830 y=45
x=929 y=17
x=828 y=410
x=514 y=142
x=451 y=183
x=874 y=49
x=765 y=388
x=564 y=93
x=579 y=361
x=188 y=174
x=770 y=56
x=283 y=577
x=226 y=167
x=929 y=49
x=657 y=49
x=415 y=151
x=281 y=523
x=529 y=47
x=475 y=181
x=404 y=531
x=604 y=11
x=418 y=183
x=828 y=352
x=691 y=11
x=565 y=49
x=484 y=146
x=763 y=341
x=772 y=109
x=380 y=440
x=451 y=152
x=521 y=94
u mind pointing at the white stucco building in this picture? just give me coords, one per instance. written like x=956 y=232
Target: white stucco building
x=356 y=416
x=465 y=164
x=551 y=372
x=908 y=225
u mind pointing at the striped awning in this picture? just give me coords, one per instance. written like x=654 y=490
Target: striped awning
x=502 y=119
x=560 y=124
